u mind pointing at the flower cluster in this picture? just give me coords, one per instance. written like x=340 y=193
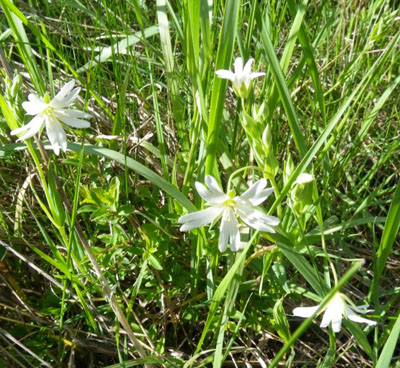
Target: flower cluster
x=231 y=208
x=234 y=211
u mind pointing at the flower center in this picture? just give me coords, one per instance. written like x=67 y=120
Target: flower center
x=230 y=203
x=49 y=111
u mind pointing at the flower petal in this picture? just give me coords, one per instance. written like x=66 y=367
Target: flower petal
x=56 y=135
x=253 y=189
x=229 y=231
x=213 y=185
x=261 y=196
x=73 y=122
x=64 y=91
x=256 y=194
x=225 y=74
x=77 y=114
x=361 y=308
x=334 y=313
x=256 y=219
x=58 y=103
x=213 y=194
x=210 y=196
x=32 y=128
x=34 y=106
x=305 y=312
x=238 y=65
x=247 y=67
x=351 y=315
x=199 y=218
x=336 y=322
x=326 y=319
x=255 y=75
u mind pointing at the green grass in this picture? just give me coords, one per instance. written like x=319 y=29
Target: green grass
x=93 y=268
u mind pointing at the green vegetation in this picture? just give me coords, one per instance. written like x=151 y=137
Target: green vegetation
x=94 y=270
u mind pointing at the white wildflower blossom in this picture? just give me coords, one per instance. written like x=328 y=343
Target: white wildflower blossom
x=229 y=207
x=338 y=307
x=53 y=114
x=242 y=77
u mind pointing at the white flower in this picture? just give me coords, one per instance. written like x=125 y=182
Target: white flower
x=52 y=114
x=242 y=77
x=228 y=207
x=338 y=307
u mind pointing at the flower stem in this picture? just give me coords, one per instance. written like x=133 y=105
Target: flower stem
x=239 y=171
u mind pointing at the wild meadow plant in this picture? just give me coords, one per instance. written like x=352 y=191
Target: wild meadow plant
x=110 y=252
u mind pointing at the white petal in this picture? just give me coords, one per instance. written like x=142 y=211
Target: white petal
x=326 y=319
x=247 y=67
x=356 y=318
x=213 y=185
x=68 y=100
x=225 y=74
x=255 y=188
x=72 y=96
x=56 y=135
x=334 y=313
x=209 y=196
x=213 y=194
x=32 y=128
x=64 y=91
x=256 y=219
x=262 y=196
x=199 y=218
x=256 y=194
x=255 y=75
x=73 y=122
x=77 y=114
x=361 y=308
x=229 y=231
x=305 y=312
x=36 y=99
x=34 y=106
x=222 y=243
x=336 y=323
x=238 y=65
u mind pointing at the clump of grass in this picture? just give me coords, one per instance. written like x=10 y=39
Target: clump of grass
x=94 y=270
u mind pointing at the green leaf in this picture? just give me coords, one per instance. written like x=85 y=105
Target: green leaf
x=55 y=202
x=282 y=88
x=390 y=231
x=118 y=47
x=221 y=290
x=301 y=264
x=223 y=60
x=385 y=358
x=155 y=262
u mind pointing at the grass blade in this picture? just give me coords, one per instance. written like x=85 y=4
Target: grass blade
x=385 y=358
x=281 y=86
x=224 y=56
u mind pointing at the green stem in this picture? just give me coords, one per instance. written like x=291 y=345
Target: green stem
x=228 y=189
x=277 y=193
